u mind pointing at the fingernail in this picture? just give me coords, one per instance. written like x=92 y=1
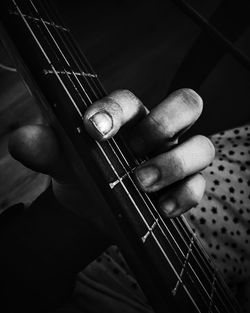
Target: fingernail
x=168 y=207
x=148 y=175
x=102 y=122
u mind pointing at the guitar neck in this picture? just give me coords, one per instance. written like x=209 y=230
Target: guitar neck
x=170 y=264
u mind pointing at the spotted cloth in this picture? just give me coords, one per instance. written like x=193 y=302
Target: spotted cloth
x=221 y=220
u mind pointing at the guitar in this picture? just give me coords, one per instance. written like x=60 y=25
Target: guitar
x=169 y=262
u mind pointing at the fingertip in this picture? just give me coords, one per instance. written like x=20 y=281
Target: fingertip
x=192 y=98
x=185 y=196
x=168 y=207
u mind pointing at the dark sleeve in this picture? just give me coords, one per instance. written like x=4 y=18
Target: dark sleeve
x=42 y=249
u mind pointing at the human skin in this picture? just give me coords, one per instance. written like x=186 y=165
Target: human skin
x=154 y=133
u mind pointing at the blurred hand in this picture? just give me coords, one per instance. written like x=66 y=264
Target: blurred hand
x=172 y=167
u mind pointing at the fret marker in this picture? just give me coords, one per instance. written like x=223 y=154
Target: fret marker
x=79 y=130
x=174 y=291
x=144 y=238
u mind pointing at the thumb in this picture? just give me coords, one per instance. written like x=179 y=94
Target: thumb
x=37 y=148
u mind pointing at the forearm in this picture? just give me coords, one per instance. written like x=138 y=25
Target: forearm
x=43 y=248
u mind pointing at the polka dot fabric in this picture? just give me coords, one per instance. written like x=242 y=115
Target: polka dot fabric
x=222 y=219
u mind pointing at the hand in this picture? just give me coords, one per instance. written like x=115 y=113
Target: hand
x=174 y=169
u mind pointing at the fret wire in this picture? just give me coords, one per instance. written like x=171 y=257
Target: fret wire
x=195 y=242
x=211 y=304
x=48 y=23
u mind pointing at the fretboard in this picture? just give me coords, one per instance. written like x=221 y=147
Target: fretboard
x=171 y=264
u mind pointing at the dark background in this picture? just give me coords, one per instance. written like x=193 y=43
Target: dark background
x=149 y=47
x=152 y=47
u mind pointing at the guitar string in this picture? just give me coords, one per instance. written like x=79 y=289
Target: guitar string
x=152 y=214
x=103 y=93
x=76 y=89
x=100 y=147
x=202 y=258
x=196 y=248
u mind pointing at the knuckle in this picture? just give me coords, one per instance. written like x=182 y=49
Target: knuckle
x=128 y=103
x=159 y=125
x=156 y=123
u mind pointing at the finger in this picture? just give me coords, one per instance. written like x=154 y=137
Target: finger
x=104 y=118
x=37 y=148
x=184 y=160
x=185 y=196
x=167 y=121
